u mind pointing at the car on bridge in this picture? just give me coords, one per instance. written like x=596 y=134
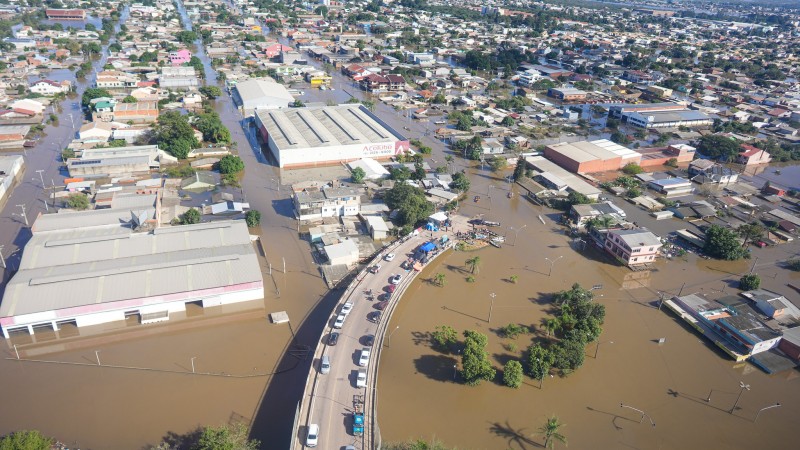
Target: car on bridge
x=346 y=308
x=339 y=321
x=364 y=359
x=312 y=437
x=396 y=279
x=389 y=257
x=358 y=423
x=333 y=338
x=374 y=317
x=375 y=269
x=361 y=378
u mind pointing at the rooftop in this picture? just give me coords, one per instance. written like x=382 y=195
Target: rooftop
x=325 y=126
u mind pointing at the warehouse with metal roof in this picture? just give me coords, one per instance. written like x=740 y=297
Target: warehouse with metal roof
x=260 y=93
x=591 y=156
x=91 y=276
x=326 y=135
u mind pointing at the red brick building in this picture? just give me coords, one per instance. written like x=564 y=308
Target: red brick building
x=65 y=14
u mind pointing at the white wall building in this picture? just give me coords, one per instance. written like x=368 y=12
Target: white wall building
x=316 y=136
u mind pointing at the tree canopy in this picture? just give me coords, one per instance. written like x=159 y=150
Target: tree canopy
x=213 y=129
x=92 y=93
x=230 y=164
x=718 y=147
x=410 y=202
x=722 y=243
x=25 y=440
x=475 y=364
x=174 y=134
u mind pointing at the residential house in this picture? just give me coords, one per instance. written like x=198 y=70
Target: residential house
x=13 y=136
x=753 y=155
x=313 y=204
x=65 y=14
x=114 y=79
x=48 y=88
x=139 y=112
x=633 y=247
x=178 y=78
x=180 y=57
x=672 y=187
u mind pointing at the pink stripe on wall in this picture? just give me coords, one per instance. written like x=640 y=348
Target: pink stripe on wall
x=144 y=301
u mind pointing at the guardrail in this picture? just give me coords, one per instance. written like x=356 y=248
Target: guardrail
x=313 y=374
x=371 y=400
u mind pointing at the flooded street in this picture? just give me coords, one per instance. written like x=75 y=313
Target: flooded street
x=668 y=381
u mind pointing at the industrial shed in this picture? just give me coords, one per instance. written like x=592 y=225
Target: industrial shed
x=91 y=276
x=327 y=135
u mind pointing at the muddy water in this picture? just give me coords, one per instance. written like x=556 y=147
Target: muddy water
x=670 y=381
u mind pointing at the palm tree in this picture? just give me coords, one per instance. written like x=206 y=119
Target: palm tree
x=551 y=325
x=439 y=279
x=473 y=263
x=550 y=432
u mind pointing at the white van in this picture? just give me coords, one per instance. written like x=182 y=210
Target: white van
x=324 y=365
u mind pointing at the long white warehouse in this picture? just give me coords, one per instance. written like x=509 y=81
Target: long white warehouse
x=93 y=276
x=326 y=135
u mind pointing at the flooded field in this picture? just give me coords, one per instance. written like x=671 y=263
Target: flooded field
x=670 y=382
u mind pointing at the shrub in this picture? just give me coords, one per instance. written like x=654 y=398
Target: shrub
x=632 y=169
x=793 y=264
x=230 y=164
x=470 y=279
x=78 y=201
x=184 y=171
x=191 y=216
x=444 y=337
x=512 y=374
x=252 y=218
x=513 y=330
x=749 y=282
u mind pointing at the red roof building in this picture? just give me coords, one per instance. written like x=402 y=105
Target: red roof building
x=65 y=14
x=753 y=155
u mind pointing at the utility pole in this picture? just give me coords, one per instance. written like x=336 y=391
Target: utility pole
x=284 y=264
x=753 y=267
x=491 y=307
x=24 y=215
x=736 y=403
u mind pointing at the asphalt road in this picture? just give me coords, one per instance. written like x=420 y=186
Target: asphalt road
x=332 y=404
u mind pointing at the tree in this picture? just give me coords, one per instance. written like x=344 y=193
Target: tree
x=576 y=198
x=464 y=123
x=174 y=134
x=211 y=91
x=358 y=175
x=750 y=232
x=130 y=99
x=252 y=218
x=718 y=147
x=444 y=337
x=513 y=279
x=78 y=201
x=226 y=437
x=410 y=202
x=519 y=169
x=439 y=279
x=540 y=359
x=190 y=217
x=551 y=325
x=620 y=138
x=25 y=440
x=551 y=432
x=722 y=243
x=793 y=264
x=632 y=169
x=230 y=164
x=475 y=364
x=212 y=128
x=474 y=264
x=749 y=282
x=186 y=37
x=672 y=162
x=498 y=164
x=569 y=353
x=460 y=182
x=512 y=374
x=507 y=121
x=92 y=93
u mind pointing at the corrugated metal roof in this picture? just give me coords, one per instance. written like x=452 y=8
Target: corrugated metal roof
x=66 y=269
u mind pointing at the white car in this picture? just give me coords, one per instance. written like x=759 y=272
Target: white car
x=347 y=307
x=361 y=380
x=364 y=359
x=389 y=257
x=313 y=435
x=339 y=321
x=396 y=279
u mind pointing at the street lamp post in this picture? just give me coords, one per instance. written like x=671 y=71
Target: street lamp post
x=40 y=176
x=97 y=355
x=193 y=357
x=389 y=338
x=516 y=233
x=491 y=307
x=622 y=405
x=738 y=397
x=455 y=371
x=24 y=215
x=552 y=261
x=776 y=405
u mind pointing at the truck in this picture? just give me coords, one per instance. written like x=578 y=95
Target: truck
x=358 y=422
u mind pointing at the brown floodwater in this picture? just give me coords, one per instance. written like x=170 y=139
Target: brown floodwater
x=417 y=395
